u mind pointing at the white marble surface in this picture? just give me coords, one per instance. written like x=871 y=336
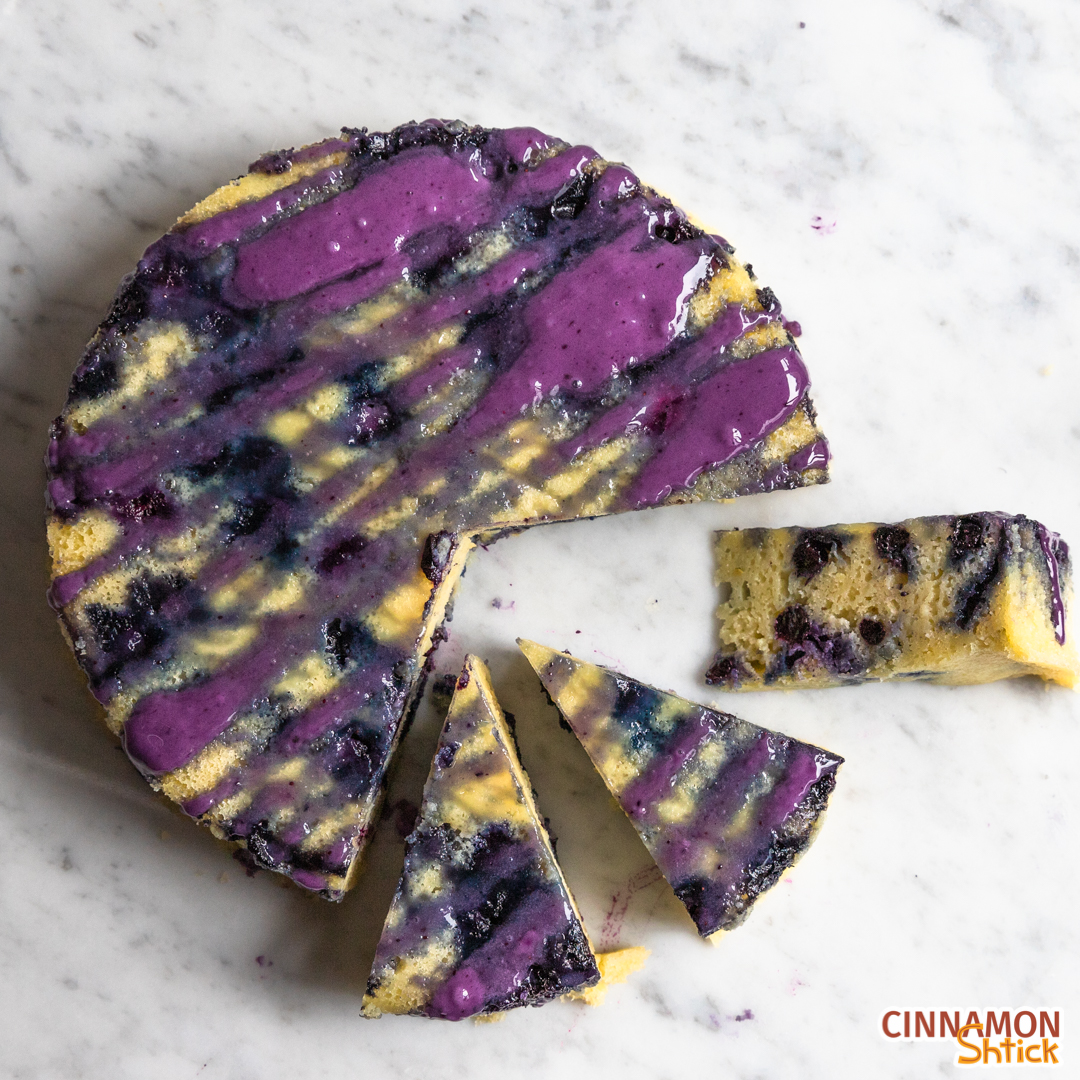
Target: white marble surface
x=903 y=174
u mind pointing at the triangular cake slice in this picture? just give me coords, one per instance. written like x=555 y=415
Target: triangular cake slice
x=314 y=394
x=724 y=806
x=482 y=920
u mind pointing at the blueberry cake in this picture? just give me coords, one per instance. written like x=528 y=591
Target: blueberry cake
x=321 y=387
x=944 y=599
x=724 y=806
x=482 y=920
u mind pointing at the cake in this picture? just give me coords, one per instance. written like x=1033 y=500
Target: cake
x=945 y=599
x=314 y=395
x=724 y=806
x=482 y=920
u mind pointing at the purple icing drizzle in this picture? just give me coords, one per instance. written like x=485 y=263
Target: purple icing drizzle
x=814 y=456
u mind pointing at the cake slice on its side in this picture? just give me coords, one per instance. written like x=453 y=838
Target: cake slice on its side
x=482 y=920
x=943 y=599
x=724 y=806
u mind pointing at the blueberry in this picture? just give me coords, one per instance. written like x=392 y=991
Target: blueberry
x=724 y=671
x=374 y=420
x=348 y=641
x=277 y=161
x=107 y=624
x=840 y=656
x=891 y=543
x=813 y=550
x=94 y=378
x=445 y=757
x=248 y=516
x=364 y=382
x=149 y=504
x=767 y=299
x=353 y=758
x=967 y=537
x=792 y=624
x=129 y=308
x=530 y=222
x=341 y=553
x=872 y=631
x=571 y=199
x=437 y=553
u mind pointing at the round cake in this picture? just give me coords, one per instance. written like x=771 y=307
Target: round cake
x=321 y=387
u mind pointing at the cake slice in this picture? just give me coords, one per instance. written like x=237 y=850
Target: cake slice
x=320 y=387
x=945 y=599
x=482 y=920
x=724 y=806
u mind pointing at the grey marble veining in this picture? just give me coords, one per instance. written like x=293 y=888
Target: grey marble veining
x=903 y=175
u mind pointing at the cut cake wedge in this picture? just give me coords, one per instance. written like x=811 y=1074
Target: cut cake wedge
x=724 y=806
x=483 y=920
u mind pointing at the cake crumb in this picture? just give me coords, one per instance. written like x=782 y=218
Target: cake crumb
x=615 y=967
x=489 y=1018
x=1046 y=369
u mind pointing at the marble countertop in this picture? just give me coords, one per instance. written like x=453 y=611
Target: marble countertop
x=903 y=175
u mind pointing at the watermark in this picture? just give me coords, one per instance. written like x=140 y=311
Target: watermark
x=989 y=1037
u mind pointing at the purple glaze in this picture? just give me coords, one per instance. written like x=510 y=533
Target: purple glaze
x=814 y=456
x=462 y=995
x=659 y=777
x=734 y=409
x=230 y=228
x=362 y=227
x=168 y=729
x=636 y=304
x=501 y=964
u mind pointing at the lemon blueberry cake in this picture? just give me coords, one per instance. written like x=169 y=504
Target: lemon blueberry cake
x=946 y=599
x=320 y=387
x=482 y=920
x=724 y=806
